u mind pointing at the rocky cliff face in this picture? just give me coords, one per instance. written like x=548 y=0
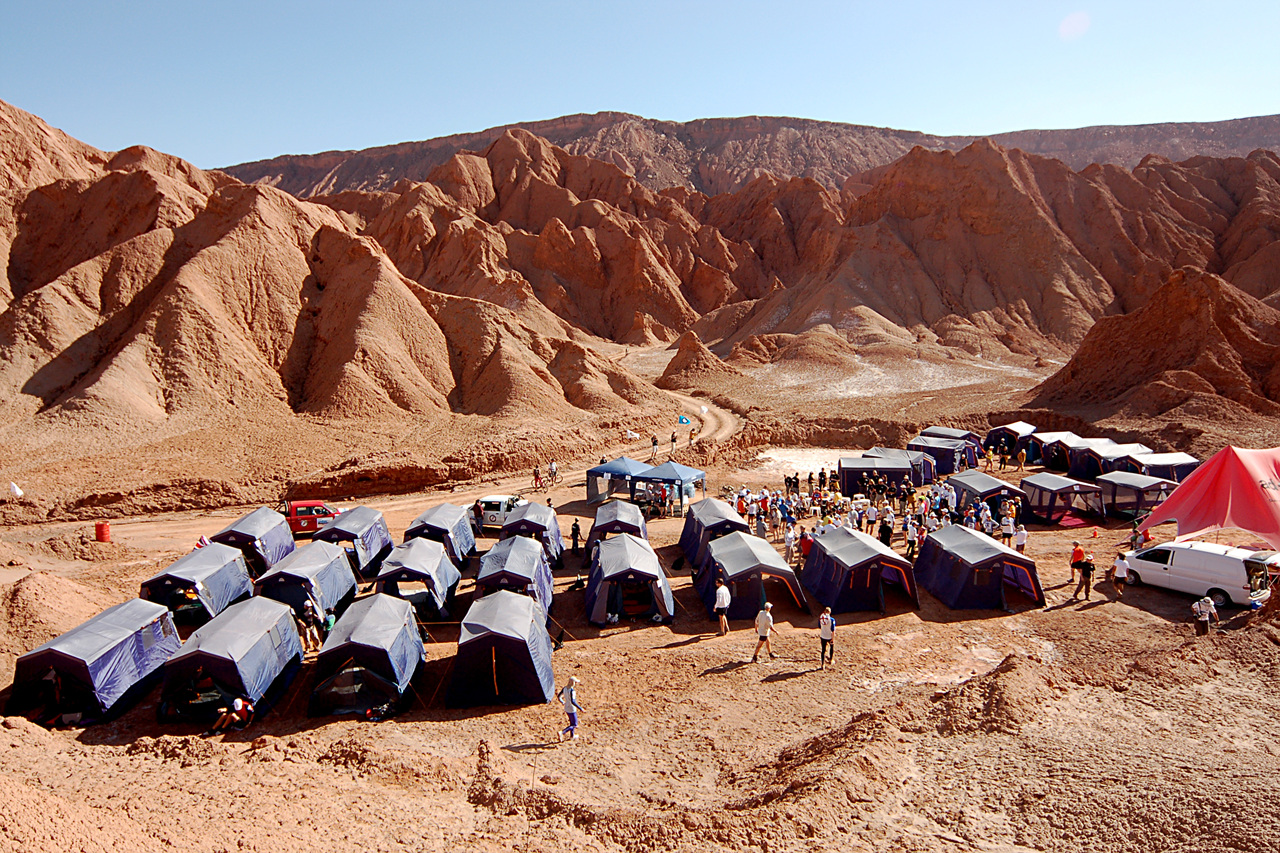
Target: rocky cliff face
x=723 y=155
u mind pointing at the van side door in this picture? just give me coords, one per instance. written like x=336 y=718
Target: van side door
x=1152 y=566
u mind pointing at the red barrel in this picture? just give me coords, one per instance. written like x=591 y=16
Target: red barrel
x=102 y=531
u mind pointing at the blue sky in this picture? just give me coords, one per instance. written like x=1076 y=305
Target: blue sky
x=222 y=83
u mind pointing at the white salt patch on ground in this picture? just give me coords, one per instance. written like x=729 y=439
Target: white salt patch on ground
x=788 y=460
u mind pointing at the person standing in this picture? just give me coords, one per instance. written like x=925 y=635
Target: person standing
x=762 y=526
x=826 y=638
x=1077 y=557
x=653 y=453
x=1007 y=528
x=1203 y=609
x=569 y=696
x=1120 y=573
x=1022 y=459
x=574 y=533
x=673 y=442
x=1020 y=539
x=722 y=605
x=764 y=629
x=789 y=544
x=911 y=535
x=1085 y=585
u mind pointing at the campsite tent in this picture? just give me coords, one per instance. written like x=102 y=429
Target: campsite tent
x=317 y=572
x=449 y=525
x=706 y=520
x=609 y=478
x=1050 y=497
x=1101 y=457
x=539 y=522
x=627 y=580
x=1167 y=466
x=263 y=536
x=1128 y=495
x=421 y=561
x=1011 y=437
x=955 y=434
x=97 y=669
x=1037 y=442
x=949 y=454
x=368 y=659
x=854 y=471
x=974 y=486
x=617 y=517
x=683 y=479
x=968 y=570
x=202 y=584
x=504 y=654
x=1059 y=455
x=250 y=650
x=1233 y=488
x=744 y=562
x=847 y=569
x=363 y=532
x=520 y=565
x=922 y=464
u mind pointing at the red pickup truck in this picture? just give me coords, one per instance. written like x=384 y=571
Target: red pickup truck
x=306 y=517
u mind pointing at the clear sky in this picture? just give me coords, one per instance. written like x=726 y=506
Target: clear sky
x=225 y=82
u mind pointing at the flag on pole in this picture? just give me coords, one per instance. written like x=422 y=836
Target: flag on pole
x=14 y=491
x=682 y=420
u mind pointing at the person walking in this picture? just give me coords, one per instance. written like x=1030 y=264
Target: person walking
x=574 y=533
x=1022 y=459
x=764 y=629
x=826 y=638
x=569 y=696
x=1077 y=557
x=1203 y=609
x=1120 y=573
x=722 y=605
x=1085 y=585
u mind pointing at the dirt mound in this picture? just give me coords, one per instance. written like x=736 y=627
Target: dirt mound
x=407 y=770
x=693 y=363
x=82 y=544
x=184 y=750
x=1198 y=338
x=39 y=606
x=38 y=822
x=1002 y=700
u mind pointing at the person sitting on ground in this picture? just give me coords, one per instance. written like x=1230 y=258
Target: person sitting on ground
x=238 y=715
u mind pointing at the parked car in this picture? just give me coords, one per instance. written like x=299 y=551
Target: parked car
x=306 y=517
x=1227 y=575
x=497 y=507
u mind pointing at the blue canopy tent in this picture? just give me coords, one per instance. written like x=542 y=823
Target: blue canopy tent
x=421 y=561
x=923 y=468
x=202 y=584
x=363 y=532
x=609 y=478
x=504 y=654
x=706 y=520
x=680 y=478
x=1037 y=443
x=98 y=669
x=249 y=650
x=517 y=564
x=626 y=580
x=318 y=572
x=1101 y=457
x=537 y=521
x=1050 y=497
x=1166 y=466
x=745 y=563
x=954 y=434
x=449 y=525
x=368 y=659
x=968 y=570
x=617 y=517
x=1129 y=495
x=263 y=536
x=949 y=454
x=846 y=570
x=854 y=471
x=974 y=486
x=1009 y=437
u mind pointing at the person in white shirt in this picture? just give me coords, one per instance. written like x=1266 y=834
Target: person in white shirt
x=1202 y=610
x=826 y=638
x=569 y=696
x=722 y=605
x=1007 y=529
x=1119 y=573
x=1020 y=539
x=872 y=514
x=789 y=544
x=764 y=629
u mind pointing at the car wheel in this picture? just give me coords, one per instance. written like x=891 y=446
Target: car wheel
x=1218 y=597
x=1132 y=578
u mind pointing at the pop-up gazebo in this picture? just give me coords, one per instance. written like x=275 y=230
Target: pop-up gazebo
x=1128 y=495
x=922 y=464
x=609 y=478
x=680 y=478
x=974 y=486
x=1050 y=497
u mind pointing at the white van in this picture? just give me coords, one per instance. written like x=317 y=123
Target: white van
x=1225 y=574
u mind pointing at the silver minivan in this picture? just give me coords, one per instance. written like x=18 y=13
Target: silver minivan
x=1227 y=575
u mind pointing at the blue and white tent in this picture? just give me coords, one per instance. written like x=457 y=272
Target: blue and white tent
x=504 y=654
x=318 y=572
x=263 y=536
x=97 y=669
x=421 y=561
x=517 y=564
x=968 y=570
x=923 y=468
x=617 y=517
x=626 y=580
x=216 y=575
x=369 y=658
x=363 y=532
x=449 y=525
x=707 y=520
x=539 y=522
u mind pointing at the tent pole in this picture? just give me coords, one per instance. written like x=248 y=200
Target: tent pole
x=493 y=657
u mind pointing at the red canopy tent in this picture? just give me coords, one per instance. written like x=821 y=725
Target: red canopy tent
x=1234 y=488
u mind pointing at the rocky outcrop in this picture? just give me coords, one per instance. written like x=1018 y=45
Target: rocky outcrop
x=692 y=364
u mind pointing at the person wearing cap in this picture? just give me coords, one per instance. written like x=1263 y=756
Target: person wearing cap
x=569 y=696
x=1085 y=585
x=722 y=605
x=764 y=628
